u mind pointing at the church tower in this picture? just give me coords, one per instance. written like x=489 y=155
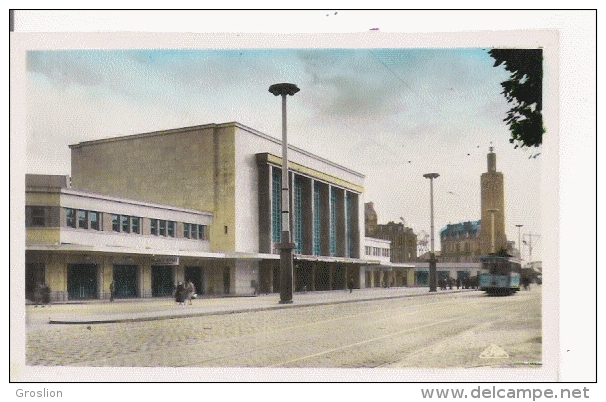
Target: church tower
x=493 y=203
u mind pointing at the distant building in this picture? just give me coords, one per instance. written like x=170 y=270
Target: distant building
x=460 y=242
x=370 y=219
x=403 y=239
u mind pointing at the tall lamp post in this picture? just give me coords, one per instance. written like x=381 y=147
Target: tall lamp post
x=286 y=246
x=492 y=244
x=519 y=244
x=432 y=255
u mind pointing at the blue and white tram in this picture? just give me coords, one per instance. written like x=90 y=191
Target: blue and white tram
x=503 y=276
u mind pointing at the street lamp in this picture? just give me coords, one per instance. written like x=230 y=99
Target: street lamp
x=286 y=246
x=492 y=245
x=519 y=244
x=432 y=255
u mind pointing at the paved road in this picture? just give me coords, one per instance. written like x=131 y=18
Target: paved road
x=459 y=329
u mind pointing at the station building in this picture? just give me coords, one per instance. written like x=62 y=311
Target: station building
x=149 y=193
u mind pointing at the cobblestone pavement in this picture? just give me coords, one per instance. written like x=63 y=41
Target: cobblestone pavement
x=444 y=330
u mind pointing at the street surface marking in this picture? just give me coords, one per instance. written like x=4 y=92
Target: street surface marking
x=494 y=352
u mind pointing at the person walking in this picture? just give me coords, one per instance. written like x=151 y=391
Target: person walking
x=351 y=285
x=190 y=290
x=180 y=294
x=112 y=290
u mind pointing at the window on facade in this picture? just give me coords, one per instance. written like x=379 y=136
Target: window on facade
x=170 y=225
x=70 y=217
x=186 y=230
x=135 y=224
x=125 y=222
x=333 y=221
x=115 y=223
x=37 y=215
x=317 y=220
x=194 y=231
x=202 y=232
x=276 y=205
x=94 y=220
x=162 y=227
x=153 y=226
x=82 y=219
x=298 y=215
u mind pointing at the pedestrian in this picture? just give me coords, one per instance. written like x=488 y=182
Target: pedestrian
x=190 y=290
x=458 y=283
x=112 y=290
x=180 y=294
x=39 y=294
x=351 y=285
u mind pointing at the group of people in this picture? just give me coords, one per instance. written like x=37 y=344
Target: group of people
x=42 y=294
x=185 y=292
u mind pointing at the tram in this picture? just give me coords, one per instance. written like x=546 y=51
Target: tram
x=502 y=276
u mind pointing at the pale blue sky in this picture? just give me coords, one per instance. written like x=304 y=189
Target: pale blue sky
x=389 y=113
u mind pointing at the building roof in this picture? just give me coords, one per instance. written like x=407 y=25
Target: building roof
x=453 y=229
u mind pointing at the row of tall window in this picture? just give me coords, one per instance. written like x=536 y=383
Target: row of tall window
x=318 y=223
x=377 y=251
x=82 y=219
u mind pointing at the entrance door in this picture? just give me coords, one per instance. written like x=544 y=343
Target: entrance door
x=194 y=274
x=125 y=281
x=34 y=275
x=81 y=281
x=226 y=280
x=162 y=280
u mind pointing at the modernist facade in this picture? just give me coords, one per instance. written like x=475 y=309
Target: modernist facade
x=227 y=176
x=78 y=242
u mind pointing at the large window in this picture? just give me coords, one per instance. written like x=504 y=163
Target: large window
x=70 y=217
x=333 y=221
x=170 y=228
x=297 y=215
x=125 y=223
x=95 y=221
x=349 y=244
x=317 y=219
x=135 y=224
x=36 y=216
x=82 y=219
x=276 y=206
x=153 y=226
x=115 y=223
x=194 y=231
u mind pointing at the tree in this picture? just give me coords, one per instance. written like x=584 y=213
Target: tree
x=524 y=90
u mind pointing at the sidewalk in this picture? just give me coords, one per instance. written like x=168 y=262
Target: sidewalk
x=134 y=310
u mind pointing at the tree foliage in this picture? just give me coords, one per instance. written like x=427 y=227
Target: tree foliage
x=524 y=90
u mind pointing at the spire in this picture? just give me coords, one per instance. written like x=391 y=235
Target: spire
x=492 y=159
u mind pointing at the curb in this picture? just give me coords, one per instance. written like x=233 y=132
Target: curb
x=240 y=310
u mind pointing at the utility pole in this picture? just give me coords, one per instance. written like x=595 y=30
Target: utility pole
x=286 y=246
